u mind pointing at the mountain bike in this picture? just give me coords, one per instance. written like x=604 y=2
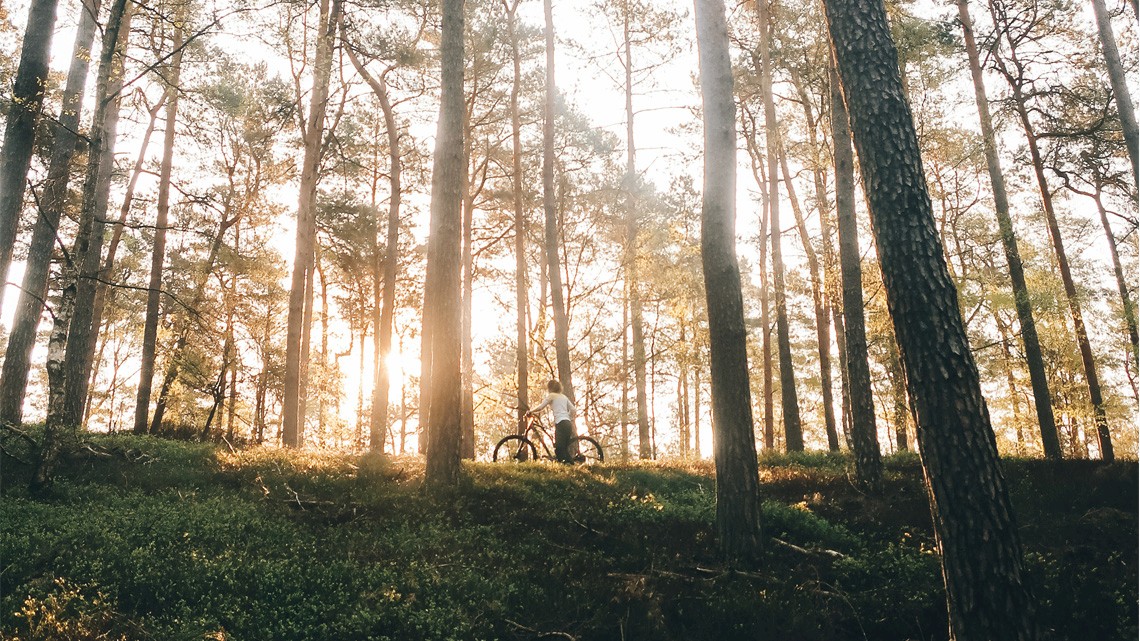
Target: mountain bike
x=521 y=448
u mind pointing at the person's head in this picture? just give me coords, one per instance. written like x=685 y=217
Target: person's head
x=554 y=387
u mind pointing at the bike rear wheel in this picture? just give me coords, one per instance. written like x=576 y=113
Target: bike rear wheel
x=514 y=449
x=586 y=450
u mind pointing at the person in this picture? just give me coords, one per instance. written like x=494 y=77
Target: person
x=564 y=413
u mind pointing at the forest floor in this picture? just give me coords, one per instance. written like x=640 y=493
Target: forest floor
x=143 y=538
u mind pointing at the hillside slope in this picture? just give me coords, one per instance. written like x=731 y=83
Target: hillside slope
x=151 y=539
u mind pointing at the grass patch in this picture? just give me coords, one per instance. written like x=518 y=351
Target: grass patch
x=144 y=538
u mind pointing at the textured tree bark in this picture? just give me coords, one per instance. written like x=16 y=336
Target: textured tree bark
x=864 y=433
x=34 y=289
x=20 y=128
x=292 y=416
x=55 y=427
x=442 y=288
x=1087 y=360
x=737 y=477
x=86 y=253
x=1041 y=398
x=158 y=250
x=973 y=518
x=1116 y=77
x=789 y=404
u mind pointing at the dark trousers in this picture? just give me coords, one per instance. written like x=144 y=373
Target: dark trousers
x=563 y=431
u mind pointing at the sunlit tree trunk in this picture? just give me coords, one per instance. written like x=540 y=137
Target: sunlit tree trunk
x=34 y=289
x=973 y=519
x=467 y=368
x=28 y=91
x=158 y=249
x=1116 y=77
x=442 y=288
x=86 y=253
x=759 y=174
x=737 y=478
x=822 y=324
x=553 y=225
x=863 y=432
x=184 y=324
x=522 y=303
x=625 y=372
x=1034 y=360
x=697 y=413
x=1118 y=271
x=789 y=404
x=55 y=426
x=632 y=222
x=1087 y=360
x=386 y=264
x=831 y=287
x=293 y=419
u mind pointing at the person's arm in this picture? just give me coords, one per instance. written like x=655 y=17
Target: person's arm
x=573 y=410
x=541 y=406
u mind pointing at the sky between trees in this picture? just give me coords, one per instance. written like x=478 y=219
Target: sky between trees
x=246 y=80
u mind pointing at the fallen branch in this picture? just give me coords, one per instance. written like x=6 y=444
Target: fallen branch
x=5 y=452
x=22 y=434
x=543 y=635
x=818 y=552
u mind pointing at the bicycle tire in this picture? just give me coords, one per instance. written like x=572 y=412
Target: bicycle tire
x=586 y=450
x=514 y=449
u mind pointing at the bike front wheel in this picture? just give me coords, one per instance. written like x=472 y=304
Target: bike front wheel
x=586 y=450
x=514 y=449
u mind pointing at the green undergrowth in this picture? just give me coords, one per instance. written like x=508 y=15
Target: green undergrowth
x=143 y=538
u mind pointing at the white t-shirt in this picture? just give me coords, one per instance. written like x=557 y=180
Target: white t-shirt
x=560 y=406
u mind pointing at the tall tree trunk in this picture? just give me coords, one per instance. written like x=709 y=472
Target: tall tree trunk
x=1118 y=271
x=467 y=367
x=822 y=324
x=183 y=326
x=34 y=290
x=832 y=285
x=1041 y=397
x=158 y=249
x=293 y=420
x=973 y=518
x=86 y=253
x=625 y=372
x=697 y=413
x=737 y=477
x=897 y=375
x=1087 y=359
x=553 y=225
x=1119 y=82
x=20 y=129
x=864 y=433
x=387 y=267
x=306 y=344
x=55 y=428
x=442 y=288
x=793 y=431
x=521 y=298
x=759 y=174
x=632 y=222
